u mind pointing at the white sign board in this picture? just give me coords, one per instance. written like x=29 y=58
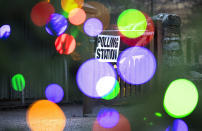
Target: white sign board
x=107 y=48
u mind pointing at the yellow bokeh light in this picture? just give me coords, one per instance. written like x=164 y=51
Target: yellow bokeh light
x=68 y=5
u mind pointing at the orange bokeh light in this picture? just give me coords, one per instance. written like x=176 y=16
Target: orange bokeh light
x=47 y=0
x=122 y=125
x=44 y=115
x=65 y=44
x=77 y=16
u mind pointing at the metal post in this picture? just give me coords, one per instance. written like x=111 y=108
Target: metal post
x=23 y=101
x=152 y=7
x=87 y=101
x=23 y=98
x=66 y=79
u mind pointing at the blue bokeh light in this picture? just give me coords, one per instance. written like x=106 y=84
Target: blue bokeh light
x=5 y=32
x=108 y=117
x=54 y=93
x=168 y=129
x=57 y=24
x=179 y=125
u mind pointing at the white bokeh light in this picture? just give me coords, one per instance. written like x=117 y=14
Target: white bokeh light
x=105 y=85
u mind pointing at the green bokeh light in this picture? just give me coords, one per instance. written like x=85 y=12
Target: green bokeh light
x=65 y=14
x=180 y=98
x=158 y=114
x=151 y=124
x=114 y=93
x=18 y=82
x=74 y=31
x=132 y=23
x=145 y=118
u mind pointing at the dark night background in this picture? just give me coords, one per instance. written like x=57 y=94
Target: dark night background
x=30 y=51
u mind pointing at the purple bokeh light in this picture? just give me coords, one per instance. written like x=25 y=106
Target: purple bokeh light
x=93 y=27
x=57 y=24
x=108 y=117
x=54 y=93
x=136 y=65
x=90 y=73
x=168 y=129
x=179 y=125
x=5 y=31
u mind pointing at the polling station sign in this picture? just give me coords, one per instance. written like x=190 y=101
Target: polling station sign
x=107 y=48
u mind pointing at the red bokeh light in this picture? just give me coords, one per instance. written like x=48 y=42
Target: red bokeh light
x=65 y=44
x=41 y=12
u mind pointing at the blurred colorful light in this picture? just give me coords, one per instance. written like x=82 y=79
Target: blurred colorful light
x=114 y=93
x=77 y=16
x=18 y=82
x=88 y=75
x=54 y=93
x=45 y=115
x=57 y=24
x=168 y=129
x=68 y=5
x=179 y=125
x=93 y=27
x=144 y=39
x=65 y=44
x=65 y=14
x=158 y=114
x=122 y=125
x=5 y=32
x=181 y=98
x=136 y=65
x=132 y=23
x=41 y=12
x=74 y=31
x=95 y=9
x=108 y=117
x=105 y=85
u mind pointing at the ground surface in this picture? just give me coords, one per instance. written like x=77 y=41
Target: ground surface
x=15 y=120
x=140 y=115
